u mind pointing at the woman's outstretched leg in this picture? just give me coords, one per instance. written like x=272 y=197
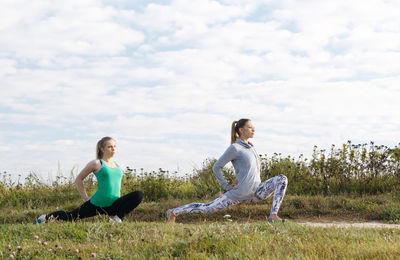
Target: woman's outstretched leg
x=276 y=185
x=86 y=210
x=219 y=203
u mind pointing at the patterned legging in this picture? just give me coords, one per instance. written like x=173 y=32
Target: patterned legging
x=276 y=185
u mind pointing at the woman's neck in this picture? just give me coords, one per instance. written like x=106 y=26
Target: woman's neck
x=246 y=140
x=107 y=159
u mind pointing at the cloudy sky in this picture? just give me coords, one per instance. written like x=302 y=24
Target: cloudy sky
x=167 y=78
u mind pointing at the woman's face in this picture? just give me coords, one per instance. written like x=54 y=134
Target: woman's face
x=247 y=131
x=109 y=148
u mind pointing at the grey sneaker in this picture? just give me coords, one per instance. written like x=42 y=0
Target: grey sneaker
x=276 y=220
x=168 y=214
x=41 y=219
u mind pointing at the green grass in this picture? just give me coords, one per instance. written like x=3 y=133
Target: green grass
x=145 y=235
x=204 y=240
x=351 y=184
x=384 y=207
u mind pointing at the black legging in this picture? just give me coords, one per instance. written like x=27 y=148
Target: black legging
x=120 y=207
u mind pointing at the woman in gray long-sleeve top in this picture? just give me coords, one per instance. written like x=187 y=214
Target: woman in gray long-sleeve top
x=248 y=186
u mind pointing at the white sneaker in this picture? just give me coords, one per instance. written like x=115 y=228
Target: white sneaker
x=115 y=219
x=41 y=219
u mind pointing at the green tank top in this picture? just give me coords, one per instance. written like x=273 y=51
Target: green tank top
x=108 y=186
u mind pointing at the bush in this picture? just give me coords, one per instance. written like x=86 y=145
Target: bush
x=204 y=182
x=391 y=215
x=350 y=169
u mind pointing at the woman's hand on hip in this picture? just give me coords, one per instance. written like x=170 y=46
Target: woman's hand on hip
x=233 y=185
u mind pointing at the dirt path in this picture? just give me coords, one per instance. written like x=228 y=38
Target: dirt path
x=347 y=224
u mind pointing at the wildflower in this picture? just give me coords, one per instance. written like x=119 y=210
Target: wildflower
x=11 y=256
x=44 y=243
x=9 y=246
x=171 y=248
x=60 y=247
x=93 y=254
x=36 y=237
x=19 y=248
x=39 y=242
x=77 y=250
x=111 y=236
x=14 y=253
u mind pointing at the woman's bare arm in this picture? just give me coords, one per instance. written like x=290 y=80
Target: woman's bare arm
x=92 y=166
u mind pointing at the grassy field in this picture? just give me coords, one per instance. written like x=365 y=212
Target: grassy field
x=144 y=234
x=384 y=207
x=351 y=183
x=203 y=240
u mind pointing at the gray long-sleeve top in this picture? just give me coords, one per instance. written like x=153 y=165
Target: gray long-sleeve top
x=246 y=163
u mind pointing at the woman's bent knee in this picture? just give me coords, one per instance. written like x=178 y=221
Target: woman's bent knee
x=283 y=178
x=139 y=195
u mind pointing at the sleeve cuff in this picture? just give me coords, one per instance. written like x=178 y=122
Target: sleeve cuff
x=227 y=186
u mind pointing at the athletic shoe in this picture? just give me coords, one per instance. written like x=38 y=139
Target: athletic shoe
x=276 y=220
x=41 y=219
x=168 y=214
x=115 y=219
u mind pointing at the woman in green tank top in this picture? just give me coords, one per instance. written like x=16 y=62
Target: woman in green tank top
x=106 y=199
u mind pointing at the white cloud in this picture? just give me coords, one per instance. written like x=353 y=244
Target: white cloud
x=7 y=66
x=166 y=79
x=42 y=29
x=180 y=17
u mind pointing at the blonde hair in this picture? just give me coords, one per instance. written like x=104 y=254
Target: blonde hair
x=100 y=145
x=235 y=129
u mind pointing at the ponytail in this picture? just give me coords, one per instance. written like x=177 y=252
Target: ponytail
x=235 y=129
x=100 y=146
x=234 y=134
